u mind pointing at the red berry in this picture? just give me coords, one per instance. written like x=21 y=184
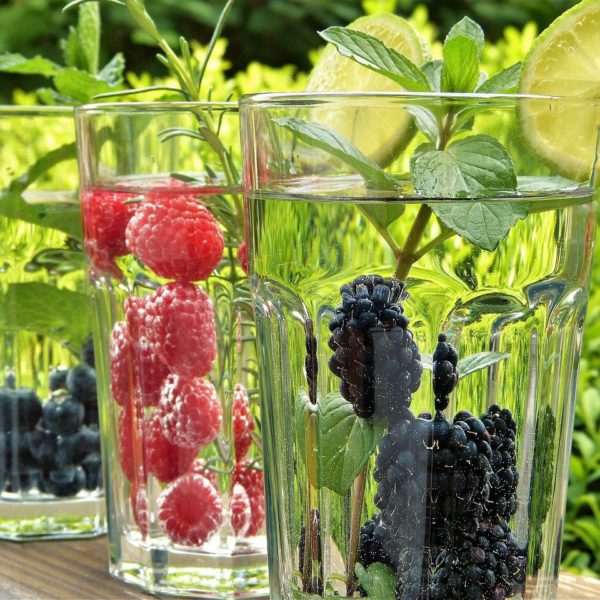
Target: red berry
x=164 y=460
x=140 y=507
x=152 y=372
x=105 y=218
x=243 y=423
x=190 y=510
x=241 y=513
x=189 y=411
x=131 y=443
x=134 y=308
x=252 y=480
x=199 y=467
x=178 y=238
x=242 y=256
x=123 y=372
x=180 y=325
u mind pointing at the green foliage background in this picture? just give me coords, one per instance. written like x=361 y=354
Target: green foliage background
x=269 y=46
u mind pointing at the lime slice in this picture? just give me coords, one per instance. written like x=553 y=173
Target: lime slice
x=378 y=133
x=565 y=61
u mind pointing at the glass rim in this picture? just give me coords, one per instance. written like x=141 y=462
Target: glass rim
x=148 y=107
x=34 y=110
x=272 y=99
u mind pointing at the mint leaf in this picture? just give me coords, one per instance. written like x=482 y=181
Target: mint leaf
x=375 y=55
x=378 y=580
x=460 y=72
x=112 y=72
x=61 y=216
x=305 y=411
x=383 y=213
x=433 y=71
x=79 y=85
x=51 y=97
x=88 y=33
x=473 y=166
x=329 y=140
x=17 y=63
x=72 y=51
x=47 y=310
x=470 y=29
x=346 y=442
x=477 y=362
x=503 y=82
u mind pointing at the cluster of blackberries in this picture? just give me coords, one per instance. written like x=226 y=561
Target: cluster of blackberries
x=445 y=372
x=375 y=355
x=55 y=446
x=445 y=499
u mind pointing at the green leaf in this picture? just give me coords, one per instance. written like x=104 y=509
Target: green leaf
x=88 y=33
x=17 y=63
x=51 y=97
x=72 y=52
x=477 y=362
x=433 y=71
x=503 y=82
x=60 y=314
x=346 y=442
x=79 y=85
x=471 y=167
x=470 y=29
x=61 y=216
x=375 y=55
x=306 y=436
x=379 y=580
x=460 y=72
x=332 y=142
x=112 y=72
x=383 y=213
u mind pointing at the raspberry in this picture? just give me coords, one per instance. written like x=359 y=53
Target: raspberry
x=243 y=423
x=135 y=314
x=190 y=510
x=199 y=466
x=130 y=442
x=140 y=507
x=241 y=513
x=252 y=480
x=152 y=372
x=164 y=460
x=105 y=218
x=122 y=366
x=180 y=325
x=242 y=256
x=178 y=238
x=189 y=412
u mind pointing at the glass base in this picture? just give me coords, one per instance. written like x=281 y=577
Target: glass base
x=72 y=518
x=182 y=572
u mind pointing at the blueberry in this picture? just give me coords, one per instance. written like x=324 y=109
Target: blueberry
x=63 y=417
x=77 y=446
x=19 y=409
x=44 y=449
x=92 y=465
x=58 y=379
x=81 y=382
x=87 y=352
x=24 y=480
x=64 y=482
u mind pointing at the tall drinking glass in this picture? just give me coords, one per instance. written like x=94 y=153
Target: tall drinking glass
x=420 y=282
x=50 y=475
x=175 y=346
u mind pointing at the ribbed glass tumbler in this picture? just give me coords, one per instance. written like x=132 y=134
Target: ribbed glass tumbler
x=50 y=471
x=175 y=344
x=420 y=282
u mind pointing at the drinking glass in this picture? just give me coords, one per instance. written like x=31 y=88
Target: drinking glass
x=50 y=476
x=175 y=346
x=420 y=282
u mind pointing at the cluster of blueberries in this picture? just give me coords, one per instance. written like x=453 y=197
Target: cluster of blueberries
x=51 y=447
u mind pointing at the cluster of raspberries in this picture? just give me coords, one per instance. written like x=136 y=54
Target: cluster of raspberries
x=160 y=355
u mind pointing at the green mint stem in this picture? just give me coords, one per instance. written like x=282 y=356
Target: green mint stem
x=407 y=255
x=383 y=232
x=434 y=243
x=357 y=506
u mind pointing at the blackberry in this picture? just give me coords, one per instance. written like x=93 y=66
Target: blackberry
x=445 y=373
x=375 y=355
x=501 y=428
x=312 y=583
x=372 y=537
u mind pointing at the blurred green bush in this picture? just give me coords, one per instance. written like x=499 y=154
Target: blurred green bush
x=273 y=32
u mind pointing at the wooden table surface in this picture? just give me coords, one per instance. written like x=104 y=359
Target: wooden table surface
x=77 y=570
